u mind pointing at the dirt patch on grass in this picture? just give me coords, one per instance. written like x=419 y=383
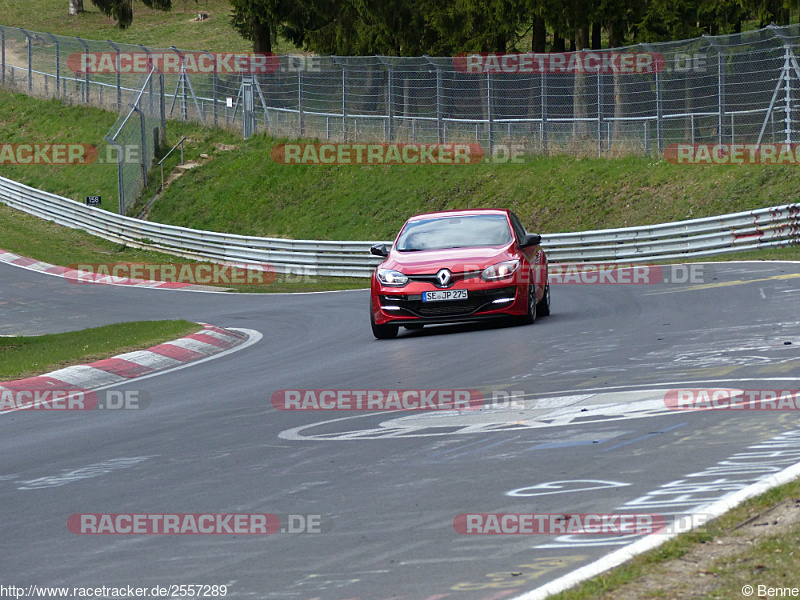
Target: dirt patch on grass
x=697 y=573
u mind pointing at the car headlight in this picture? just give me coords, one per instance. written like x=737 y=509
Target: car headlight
x=390 y=277
x=500 y=270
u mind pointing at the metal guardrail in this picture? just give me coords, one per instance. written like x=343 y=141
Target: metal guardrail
x=762 y=228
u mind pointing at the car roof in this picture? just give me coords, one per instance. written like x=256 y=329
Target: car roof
x=461 y=213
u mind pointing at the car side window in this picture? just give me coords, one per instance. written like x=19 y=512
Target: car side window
x=519 y=230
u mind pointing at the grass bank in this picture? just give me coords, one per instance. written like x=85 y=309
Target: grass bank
x=25 y=356
x=153 y=28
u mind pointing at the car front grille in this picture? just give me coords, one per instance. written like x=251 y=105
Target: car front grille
x=478 y=300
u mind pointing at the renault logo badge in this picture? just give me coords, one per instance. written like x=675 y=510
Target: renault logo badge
x=444 y=277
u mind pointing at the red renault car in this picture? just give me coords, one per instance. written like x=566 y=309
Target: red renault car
x=455 y=266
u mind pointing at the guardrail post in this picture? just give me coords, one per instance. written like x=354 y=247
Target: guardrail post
x=118 y=69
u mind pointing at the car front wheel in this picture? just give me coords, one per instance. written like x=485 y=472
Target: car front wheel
x=382 y=332
x=543 y=308
x=530 y=316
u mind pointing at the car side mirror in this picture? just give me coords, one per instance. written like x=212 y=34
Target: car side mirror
x=531 y=239
x=379 y=250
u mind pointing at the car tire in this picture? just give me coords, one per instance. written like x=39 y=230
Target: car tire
x=530 y=316
x=383 y=332
x=543 y=307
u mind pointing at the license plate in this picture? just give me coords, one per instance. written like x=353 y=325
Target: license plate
x=444 y=295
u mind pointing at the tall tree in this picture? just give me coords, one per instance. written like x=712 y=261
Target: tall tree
x=261 y=20
x=122 y=10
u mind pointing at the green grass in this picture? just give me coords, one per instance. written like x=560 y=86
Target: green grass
x=42 y=240
x=25 y=356
x=771 y=561
x=152 y=28
x=246 y=192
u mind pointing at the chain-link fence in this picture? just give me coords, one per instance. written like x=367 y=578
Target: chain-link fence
x=740 y=88
x=137 y=135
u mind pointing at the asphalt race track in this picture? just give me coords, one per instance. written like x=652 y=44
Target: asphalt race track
x=387 y=486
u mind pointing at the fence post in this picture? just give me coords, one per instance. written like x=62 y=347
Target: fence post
x=544 y=112
x=30 y=59
x=58 y=64
x=490 y=111
x=149 y=68
x=247 y=107
x=120 y=177
x=213 y=87
x=659 y=107
x=599 y=113
x=389 y=97
x=720 y=87
x=162 y=105
x=86 y=73
x=441 y=133
x=342 y=66
x=300 y=115
x=143 y=151
x=119 y=68
x=182 y=82
x=787 y=99
x=2 y=55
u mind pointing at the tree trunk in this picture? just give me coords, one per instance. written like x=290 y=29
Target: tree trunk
x=580 y=129
x=75 y=7
x=615 y=41
x=539 y=34
x=596 y=36
x=262 y=38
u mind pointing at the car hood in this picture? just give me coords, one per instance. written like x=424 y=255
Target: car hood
x=456 y=259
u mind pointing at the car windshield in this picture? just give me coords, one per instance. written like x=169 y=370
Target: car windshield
x=454 y=232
